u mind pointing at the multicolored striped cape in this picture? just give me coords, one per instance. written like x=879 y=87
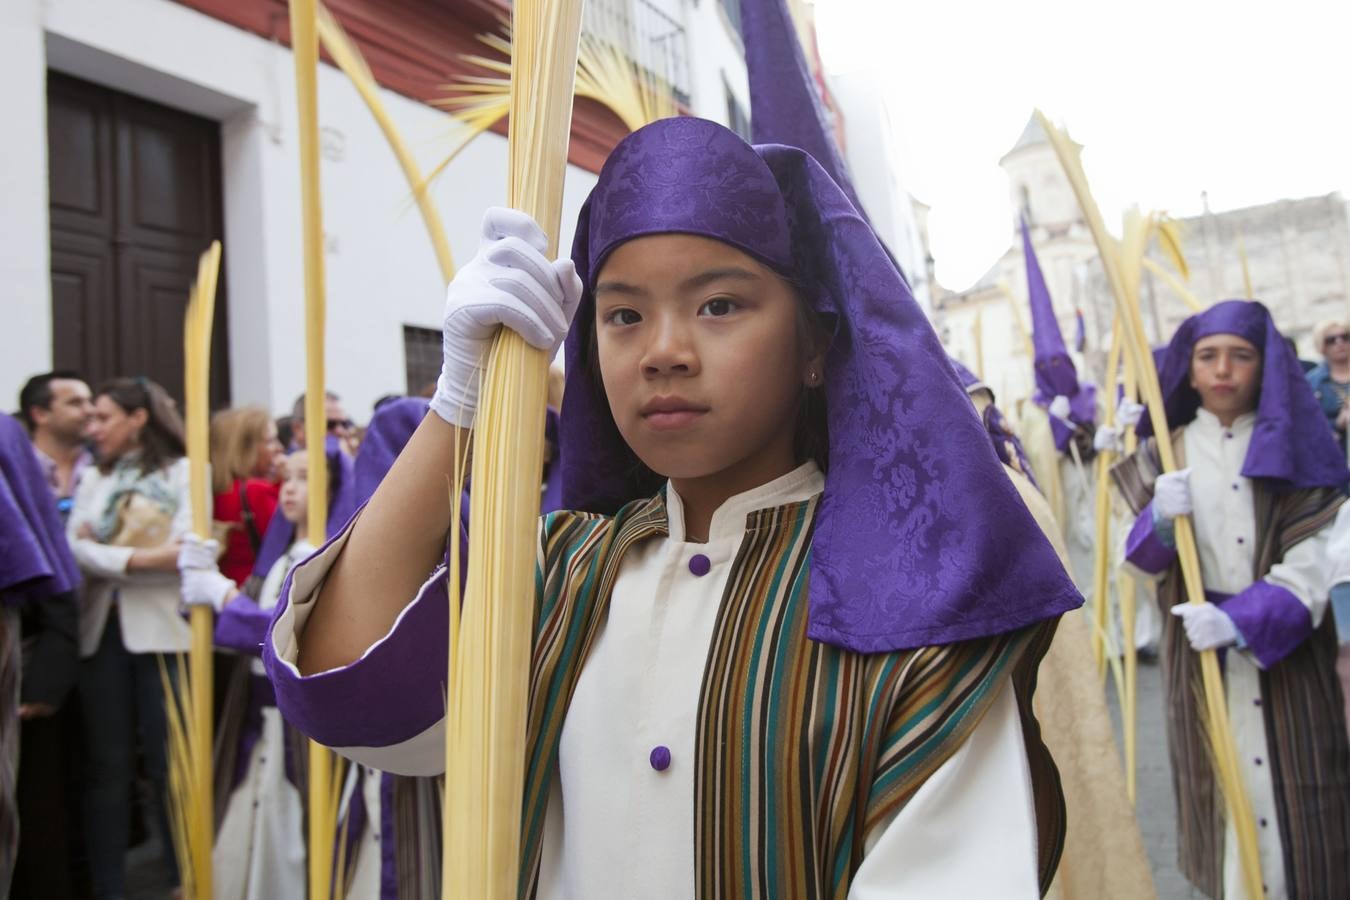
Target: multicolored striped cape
x=801 y=747
x=1300 y=698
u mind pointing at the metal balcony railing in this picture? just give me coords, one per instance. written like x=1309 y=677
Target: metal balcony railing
x=650 y=36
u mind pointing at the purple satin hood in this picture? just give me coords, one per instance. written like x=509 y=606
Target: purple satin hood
x=35 y=560
x=1291 y=447
x=920 y=538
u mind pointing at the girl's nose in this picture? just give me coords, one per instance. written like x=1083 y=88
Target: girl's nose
x=670 y=352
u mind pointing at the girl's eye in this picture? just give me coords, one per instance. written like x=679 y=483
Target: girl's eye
x=623 y=316
x=718 y=307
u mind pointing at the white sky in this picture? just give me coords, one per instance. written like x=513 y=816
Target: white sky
x=1249 y=101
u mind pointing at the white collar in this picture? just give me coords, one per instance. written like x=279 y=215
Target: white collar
x=1208 y=422
x=802 y=483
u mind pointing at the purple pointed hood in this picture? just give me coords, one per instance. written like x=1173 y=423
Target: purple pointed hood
x=35 y=560
x=1291 y=445
x=785 y=107
x=1055 y=372
x=919 y=538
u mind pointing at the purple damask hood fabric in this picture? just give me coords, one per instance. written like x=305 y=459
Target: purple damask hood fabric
x=280 y=534
x=1291 y=446
x=1055 y=372
x=920 y=538
x=35 y=560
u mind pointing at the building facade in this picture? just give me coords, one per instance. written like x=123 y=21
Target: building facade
x=143 y=129
x=1297 y=256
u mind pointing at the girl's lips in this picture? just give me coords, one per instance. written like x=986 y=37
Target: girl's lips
x=672 y=420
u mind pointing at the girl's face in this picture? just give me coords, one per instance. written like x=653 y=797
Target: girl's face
x=1226 y=373
x=114 y=431
x=701 y=358
x=295 y=489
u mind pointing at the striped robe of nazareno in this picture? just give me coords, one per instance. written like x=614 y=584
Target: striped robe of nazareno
x=801 y=747
x=1301 y=702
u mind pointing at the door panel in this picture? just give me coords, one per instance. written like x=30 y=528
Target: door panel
x=135 y=200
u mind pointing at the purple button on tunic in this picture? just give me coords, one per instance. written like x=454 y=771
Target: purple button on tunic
x=699 y=564
x=660 y=758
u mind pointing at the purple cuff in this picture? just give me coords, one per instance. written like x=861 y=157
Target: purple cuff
x=1271 y=620
x=242 y=625
x=393 y=693
x=1144 y=549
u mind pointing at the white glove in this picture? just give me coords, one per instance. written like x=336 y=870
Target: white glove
x=206 y=587
x=202 y=583
x=1207 y=626
x=1108 y=438
x=509 y=282
x=1172 y=494
x=1128 y=413
x=1060 y=408
x=196 y=553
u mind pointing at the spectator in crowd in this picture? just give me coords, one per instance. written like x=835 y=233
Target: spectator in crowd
x=129 y=515
x=58 y=408
x=338 y=425
x=1331 y=379
x=245 y=458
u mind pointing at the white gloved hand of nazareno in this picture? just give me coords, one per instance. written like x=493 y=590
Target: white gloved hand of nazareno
x=206 y=587
x=1207 y=626
x=1060 y=408
x=1107 y=437
x=196 y=552
x=1172 y=494
x=509 y=282
x=202 y=584
x=1128 y=413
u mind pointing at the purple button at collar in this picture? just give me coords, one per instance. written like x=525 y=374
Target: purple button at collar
x=660 y=758
x=699 y=564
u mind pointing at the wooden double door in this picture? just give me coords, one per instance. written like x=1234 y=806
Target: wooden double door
x=135 y=198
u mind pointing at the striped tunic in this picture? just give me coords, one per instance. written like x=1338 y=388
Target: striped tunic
x=800 y=748
x=1301 y=705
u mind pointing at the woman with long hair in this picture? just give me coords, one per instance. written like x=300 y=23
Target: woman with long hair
x=245 y=457
x=124 y=529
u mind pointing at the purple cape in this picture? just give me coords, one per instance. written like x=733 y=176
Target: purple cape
x=280 y=534
x=1055 y=372
x=35 y=560
x=920 y=538
x=1291 y=447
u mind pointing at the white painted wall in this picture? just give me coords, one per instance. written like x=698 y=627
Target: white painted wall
x=875 y=167
x=716 y=57
x=380 y=268
x=25 y=276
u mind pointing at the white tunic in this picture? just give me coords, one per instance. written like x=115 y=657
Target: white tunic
x=617 y=827
x=1225 y=534
x=260 y=848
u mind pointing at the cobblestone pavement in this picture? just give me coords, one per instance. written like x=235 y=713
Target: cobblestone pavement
x=1157 y=819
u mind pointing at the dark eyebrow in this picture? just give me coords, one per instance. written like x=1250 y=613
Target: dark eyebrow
x=726 y=272
x=695 y=282
x=619 y=287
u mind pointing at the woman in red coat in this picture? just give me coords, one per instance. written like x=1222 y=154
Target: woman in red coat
x=245 y=454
